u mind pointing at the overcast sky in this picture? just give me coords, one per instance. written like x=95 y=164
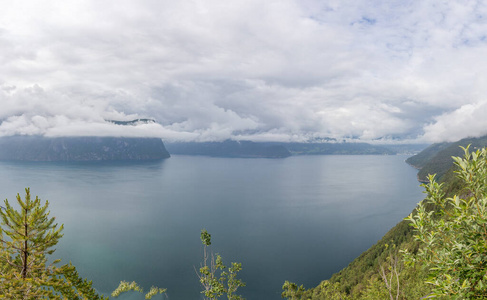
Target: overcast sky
x=274 y=70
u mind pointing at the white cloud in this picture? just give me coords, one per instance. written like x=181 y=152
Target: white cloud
x=467 y=121
x=277 y=70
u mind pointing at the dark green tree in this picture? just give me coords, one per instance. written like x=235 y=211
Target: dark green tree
x=292 y=291
x=27 y=237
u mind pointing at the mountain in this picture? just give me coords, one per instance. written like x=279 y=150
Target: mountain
x=337 y=149
x=229 y=148
x=437 y=158
x=132 y=122
x=361 y=279
x=406 y=149
x=421 y=158
x=38 y=148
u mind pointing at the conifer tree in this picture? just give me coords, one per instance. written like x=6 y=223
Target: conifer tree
x=27 y=237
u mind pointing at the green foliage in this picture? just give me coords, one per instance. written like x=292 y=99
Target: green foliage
x=446 y=259
x=361 y=278
x=454 y=238
x=390 y=270
x=376 y=289
x=326 y=290
x=72 y=286
x=125 y=286
x=216 y=279
x=32 y=233
x=205 y=238
x=390 y=279
x=292 y=291
x=154 y=291
x=357 y=276
x=27 y=236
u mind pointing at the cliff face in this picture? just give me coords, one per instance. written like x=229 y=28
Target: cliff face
x=37 y=148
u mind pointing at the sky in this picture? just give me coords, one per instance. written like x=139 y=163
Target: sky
x=275 y=70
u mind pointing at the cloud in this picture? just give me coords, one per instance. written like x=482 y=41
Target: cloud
x=245 y=69
x=469 y=118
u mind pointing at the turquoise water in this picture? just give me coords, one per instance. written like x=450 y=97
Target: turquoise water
x=299 y=219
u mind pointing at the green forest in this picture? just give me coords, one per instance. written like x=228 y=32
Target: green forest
x=438 y=251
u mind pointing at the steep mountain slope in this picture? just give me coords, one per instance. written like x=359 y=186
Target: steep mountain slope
x=38 y=148
x=423 y=157
x=359 y=279
x=436 y=159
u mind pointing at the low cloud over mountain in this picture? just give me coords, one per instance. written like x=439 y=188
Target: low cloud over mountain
x=275 y=70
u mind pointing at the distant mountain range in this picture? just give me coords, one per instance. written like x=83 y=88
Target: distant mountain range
x=229 y=148
x=337 y=149
x=437 y=158
x=38 y=148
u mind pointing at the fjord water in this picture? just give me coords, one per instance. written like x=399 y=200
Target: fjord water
x=299 y=219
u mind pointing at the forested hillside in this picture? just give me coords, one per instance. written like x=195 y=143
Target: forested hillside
x=437 y=159
x=419 y=160
x=383 y=272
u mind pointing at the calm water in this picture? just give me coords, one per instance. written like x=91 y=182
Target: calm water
x=299 y=219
